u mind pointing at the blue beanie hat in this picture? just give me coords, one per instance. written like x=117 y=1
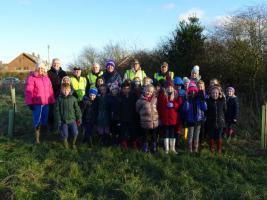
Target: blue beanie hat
x=110 y=62
x=178 y=81
x=93 y=91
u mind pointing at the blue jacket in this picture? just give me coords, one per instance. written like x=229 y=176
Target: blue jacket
x=194 y=110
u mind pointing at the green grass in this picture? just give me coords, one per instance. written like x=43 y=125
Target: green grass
x=48 y=171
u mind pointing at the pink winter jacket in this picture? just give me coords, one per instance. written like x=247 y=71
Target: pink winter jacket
x=38 y=90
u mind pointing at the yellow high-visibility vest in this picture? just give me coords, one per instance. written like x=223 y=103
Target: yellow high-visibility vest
x=79 y=86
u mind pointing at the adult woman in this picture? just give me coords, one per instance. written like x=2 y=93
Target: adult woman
x=112 y=76
x=38 y=95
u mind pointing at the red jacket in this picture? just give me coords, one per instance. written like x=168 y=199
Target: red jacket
x=168 y=116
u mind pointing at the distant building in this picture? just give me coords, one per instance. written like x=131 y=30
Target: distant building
x=23 y=63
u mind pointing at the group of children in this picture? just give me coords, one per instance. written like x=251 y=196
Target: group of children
x=142 y=113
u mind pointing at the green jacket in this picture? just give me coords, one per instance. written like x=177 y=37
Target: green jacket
x=67 y=109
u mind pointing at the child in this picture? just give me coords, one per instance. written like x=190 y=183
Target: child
x=168 y=104
x=186 y=82
x=103 y=117
x=114 y=109
x=194 y=108
x=146 y=106
x=89 y=113
x=99 y=81
x=66 y=79
x=203 y=95
x=147 y=81
x=127 y=116
x=179 y=86
x=68 y=115
x=216 y=117
x=195 y=76
x=232 y=111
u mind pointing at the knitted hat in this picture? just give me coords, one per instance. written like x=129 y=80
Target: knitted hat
x=110 y=62
x=231 y=88
x=178 y=81
x=114 y=86
x=41 y=64
x=195 y=69
x=93 y=91
x=192 y=87
x=186 y=80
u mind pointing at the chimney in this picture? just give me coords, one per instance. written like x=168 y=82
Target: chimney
x=38 y=56
x=33 y=54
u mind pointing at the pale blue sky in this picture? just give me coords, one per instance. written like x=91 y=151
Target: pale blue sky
x=69 y=25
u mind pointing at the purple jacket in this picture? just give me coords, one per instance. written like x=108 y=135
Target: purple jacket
x=38 y=90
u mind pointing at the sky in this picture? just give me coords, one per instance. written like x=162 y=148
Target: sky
x=68 y=26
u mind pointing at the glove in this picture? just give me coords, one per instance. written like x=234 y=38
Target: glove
x=78 y=122
x=170 y=105
x=31 y=107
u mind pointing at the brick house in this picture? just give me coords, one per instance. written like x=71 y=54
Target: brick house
x=23 y=63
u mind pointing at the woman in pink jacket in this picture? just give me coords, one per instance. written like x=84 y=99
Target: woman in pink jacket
x=38 y=95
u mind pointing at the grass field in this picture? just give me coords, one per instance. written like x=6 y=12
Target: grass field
x=48 y=171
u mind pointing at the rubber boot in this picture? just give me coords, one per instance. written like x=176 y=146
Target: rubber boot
x=37 y=135
x=166 y=145
x=74 y=142
x=66 y=144
x=145 y=147
x=212 y=146
x=172 y=145
x=219 y=146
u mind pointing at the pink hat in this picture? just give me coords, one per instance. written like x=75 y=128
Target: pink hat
x=192 y=87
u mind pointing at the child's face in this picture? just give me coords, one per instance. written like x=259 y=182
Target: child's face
x=92 y=97
x=100 y=82
x=65 y=91
x=201 y=86
x=103 y=90
x=194 y=75
x=192 y=94
x=177 y=87
x=147 y=81
x=170 y=89
x=230 y=93
x=114 y=92
x=186 y=84
x=149 y=92
x=215 y=94
x=126 y=90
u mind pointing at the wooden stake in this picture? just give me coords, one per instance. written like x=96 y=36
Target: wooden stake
x=263 y=116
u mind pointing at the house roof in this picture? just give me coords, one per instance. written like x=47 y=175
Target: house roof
x=30 y=56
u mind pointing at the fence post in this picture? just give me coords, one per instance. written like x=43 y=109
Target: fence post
x=11 y=113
